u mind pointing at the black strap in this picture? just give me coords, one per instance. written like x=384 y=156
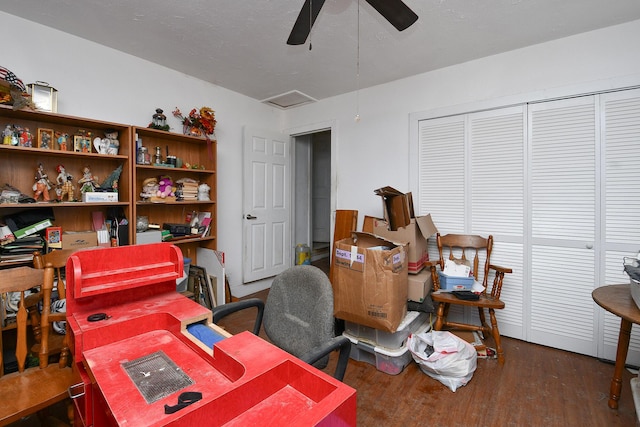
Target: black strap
x=185 y=399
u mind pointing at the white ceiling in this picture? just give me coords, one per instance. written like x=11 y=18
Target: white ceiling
x=241 y=44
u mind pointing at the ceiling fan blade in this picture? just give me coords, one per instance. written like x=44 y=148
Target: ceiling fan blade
x=302 y=27
x=396 y=12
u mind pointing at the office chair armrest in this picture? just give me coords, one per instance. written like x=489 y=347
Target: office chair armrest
x=232 y=307
x=340 y=342
x=499 y=269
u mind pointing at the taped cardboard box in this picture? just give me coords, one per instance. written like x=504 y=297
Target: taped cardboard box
x=370 y=286
x=416 y=234
x=79 y=239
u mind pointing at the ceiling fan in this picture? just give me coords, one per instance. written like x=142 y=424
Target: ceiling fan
x=394 y=11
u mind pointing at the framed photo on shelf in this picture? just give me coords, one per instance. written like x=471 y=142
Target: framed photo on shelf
x=81 y=144
x=45 y=138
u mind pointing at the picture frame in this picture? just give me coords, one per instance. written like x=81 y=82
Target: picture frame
x=81 y=144
x=54 y=237
x=203 y=293
x=45 y=139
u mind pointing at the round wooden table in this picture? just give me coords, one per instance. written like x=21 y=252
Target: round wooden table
x=617 y=300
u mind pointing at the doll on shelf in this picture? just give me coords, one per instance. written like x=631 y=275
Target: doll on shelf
x=88 y=182
x=42 y=185
x=62 y=139
x=65 y=186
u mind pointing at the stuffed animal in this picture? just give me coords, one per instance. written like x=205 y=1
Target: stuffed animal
x=165 y=187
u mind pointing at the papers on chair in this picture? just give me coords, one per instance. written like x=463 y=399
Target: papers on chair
x=451 y=268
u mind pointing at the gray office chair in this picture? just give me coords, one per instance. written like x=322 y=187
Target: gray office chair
x=298 y=317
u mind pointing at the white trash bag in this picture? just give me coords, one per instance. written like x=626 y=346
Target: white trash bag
x=444 y=357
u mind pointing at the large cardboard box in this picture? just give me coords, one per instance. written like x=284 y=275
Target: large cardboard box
x=79 y=240
x=416 y=234
x=370 y=282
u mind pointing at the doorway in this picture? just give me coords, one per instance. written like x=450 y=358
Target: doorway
x=312 y=189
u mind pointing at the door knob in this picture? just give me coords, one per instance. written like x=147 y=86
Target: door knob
x=249 y=216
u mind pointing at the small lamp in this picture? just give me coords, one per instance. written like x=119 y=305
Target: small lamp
x=44 y=97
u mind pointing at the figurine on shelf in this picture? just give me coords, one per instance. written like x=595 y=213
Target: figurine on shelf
x=42 y=185
x=149 y=188
x=113 y=144
x=109 y=144
x=111 y=182
x=26 y=138
x=65 y=186
x=7 y=135
x=88 y=182
x=62 y=139
x=203 y=192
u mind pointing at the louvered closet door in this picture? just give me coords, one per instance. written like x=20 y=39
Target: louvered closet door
x=496 y=184
x=563 y=159
x=472 y=181
x=621 y=219
x=441 y=187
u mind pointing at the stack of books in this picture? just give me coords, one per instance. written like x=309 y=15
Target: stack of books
x=189 y=189
x=21 y=250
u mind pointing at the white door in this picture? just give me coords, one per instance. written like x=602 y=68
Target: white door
x=564 y=158
x=620 y=220
x=267 y=204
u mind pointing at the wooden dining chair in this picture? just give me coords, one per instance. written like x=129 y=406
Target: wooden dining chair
x=57 y=341
x=469 y=249
x=30 y=389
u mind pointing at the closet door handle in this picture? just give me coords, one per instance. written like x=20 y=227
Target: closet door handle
x=249 y=216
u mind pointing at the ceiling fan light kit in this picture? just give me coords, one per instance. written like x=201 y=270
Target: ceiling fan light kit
x=395 y=11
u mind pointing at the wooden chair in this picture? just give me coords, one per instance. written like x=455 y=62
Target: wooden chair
x=57 y=342
x=30 y=389
x=459 y=247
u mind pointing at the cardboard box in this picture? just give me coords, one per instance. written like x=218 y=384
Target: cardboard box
x=370 y=281
x=416 y=234
x=419 y=286
x=99 y=197
x=397 y=207
x=79 y=239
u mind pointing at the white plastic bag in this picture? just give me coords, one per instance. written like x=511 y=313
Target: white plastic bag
x=444 y=357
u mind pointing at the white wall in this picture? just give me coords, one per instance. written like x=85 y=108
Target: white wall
x=375 y=151
x=98 y=82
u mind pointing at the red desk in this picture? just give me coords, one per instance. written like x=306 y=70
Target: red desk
x=138 y=356
x=617 y=300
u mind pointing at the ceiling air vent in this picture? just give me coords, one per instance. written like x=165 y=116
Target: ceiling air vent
x=290 y=99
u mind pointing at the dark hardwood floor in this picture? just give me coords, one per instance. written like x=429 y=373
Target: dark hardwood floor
x=537 y=386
